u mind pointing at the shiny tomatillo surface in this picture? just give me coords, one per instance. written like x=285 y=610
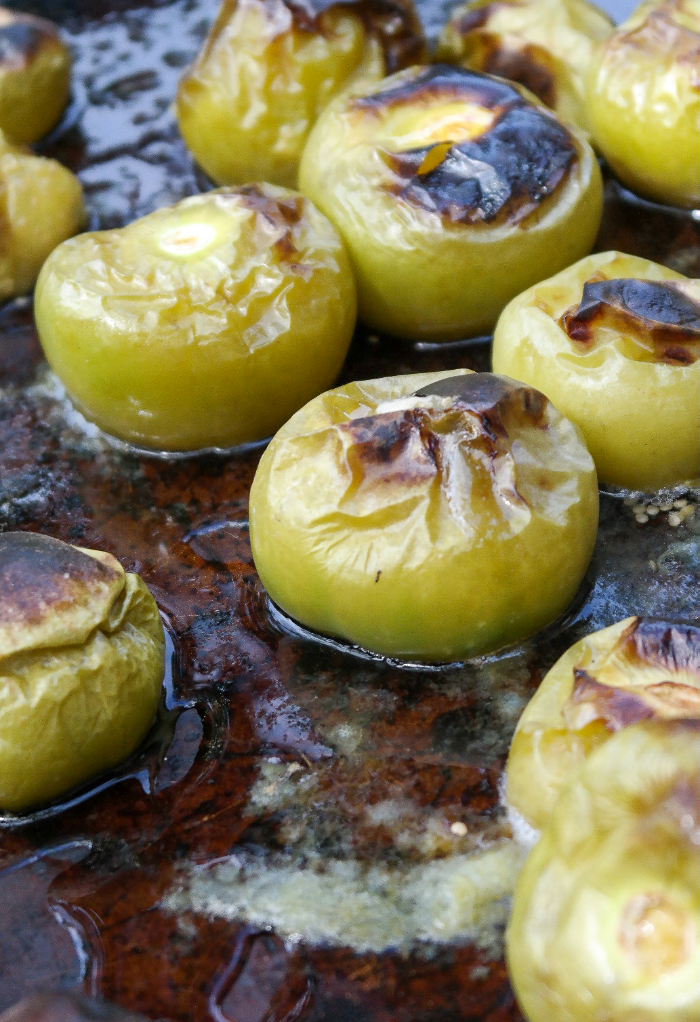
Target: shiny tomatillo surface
x=269 y=67
x=204 y=324
x=41 y=204
x=34 y=76
x=643 y=101
x=81 y=666
x=429 y=517
x=638 y=669
x=545 y=45
x=454 y=192
x=613 y=342
x=605 y=913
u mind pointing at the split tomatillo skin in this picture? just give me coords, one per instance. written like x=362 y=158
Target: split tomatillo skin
x=82 y=655
x=637 y=669
x=643 y=101
x=545 y=45
x=204 y=324
x=34 y=76
x=429 y=517
x=41 y=204
x=269 y=67
x=613 y=342
x=453 y=192
x=605 y=914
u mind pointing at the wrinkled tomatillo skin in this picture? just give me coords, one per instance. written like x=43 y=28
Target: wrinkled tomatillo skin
x=205 y=324
x=41 y=204
x=453 y=193
x=34 y=76
x=606 y=910
x=636 y=670
x=545 y=45
x=82 y=655
x=269 y=67
x=613 y=342
x=429 y=517
x=643 y=101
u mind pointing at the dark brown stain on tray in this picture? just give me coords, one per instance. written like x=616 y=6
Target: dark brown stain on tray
x=246 y=698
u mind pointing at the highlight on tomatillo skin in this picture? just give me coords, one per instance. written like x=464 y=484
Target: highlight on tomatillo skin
x=638 y=669
x=82 y=656
x=453 y=192
x=605 y=915
x=41 y=204
x=269 y=67
x=545 y=45
x=430 y=517
x=205 y=324
x=34 y=76
x=643 y=101
x=613 y=341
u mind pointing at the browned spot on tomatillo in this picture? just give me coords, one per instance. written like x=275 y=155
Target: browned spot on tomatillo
x=41 y=575
x=617 y=708
x=394 y=23
x=493 y=398
x=502 y=175
x=529 y=65
x=675 y=647
x=281 y=213
x=21 y=38
x=670 y=28
x=657 y=312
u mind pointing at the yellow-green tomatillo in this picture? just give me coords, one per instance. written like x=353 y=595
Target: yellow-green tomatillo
x=635 y=670
x=82 y=655
x=643 y=101
x=41 y=204
x=429 y=517
x=613 y=342
x=34 y=76
x=545 y=45
x=269 y=67
x=453 y=192
x=605 y=922
x=204 y=324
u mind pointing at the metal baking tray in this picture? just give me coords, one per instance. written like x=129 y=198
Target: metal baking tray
x=292 y=839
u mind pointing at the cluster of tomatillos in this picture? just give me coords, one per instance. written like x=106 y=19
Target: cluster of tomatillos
x=605 y=762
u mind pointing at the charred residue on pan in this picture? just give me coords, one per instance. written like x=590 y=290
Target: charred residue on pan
x=656 y=311
x=503 y=175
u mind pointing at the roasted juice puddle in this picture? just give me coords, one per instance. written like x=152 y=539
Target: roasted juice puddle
x=174 y=889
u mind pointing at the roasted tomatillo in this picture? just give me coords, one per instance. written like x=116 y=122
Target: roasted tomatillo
x=81 y=666
x=269 y=67
x=41 y=204
x=613 y=342
x=643 y=101
x=453 y=192
x=34 y=76
x=605 y=918
x=545 y=45
x=635 y=670
x=430 y=517
x=204 y=324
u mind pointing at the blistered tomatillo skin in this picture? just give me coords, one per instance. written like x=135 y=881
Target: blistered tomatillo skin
x=429 y=517
x=81 y=666
x=606 y=910
x=635 y=670
x=453 y=193
x=269 y=67
x=204 y=324
x=545 y=45
x=34 y=76
x=613 y=342
x=643 y=101
x=41 y=204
